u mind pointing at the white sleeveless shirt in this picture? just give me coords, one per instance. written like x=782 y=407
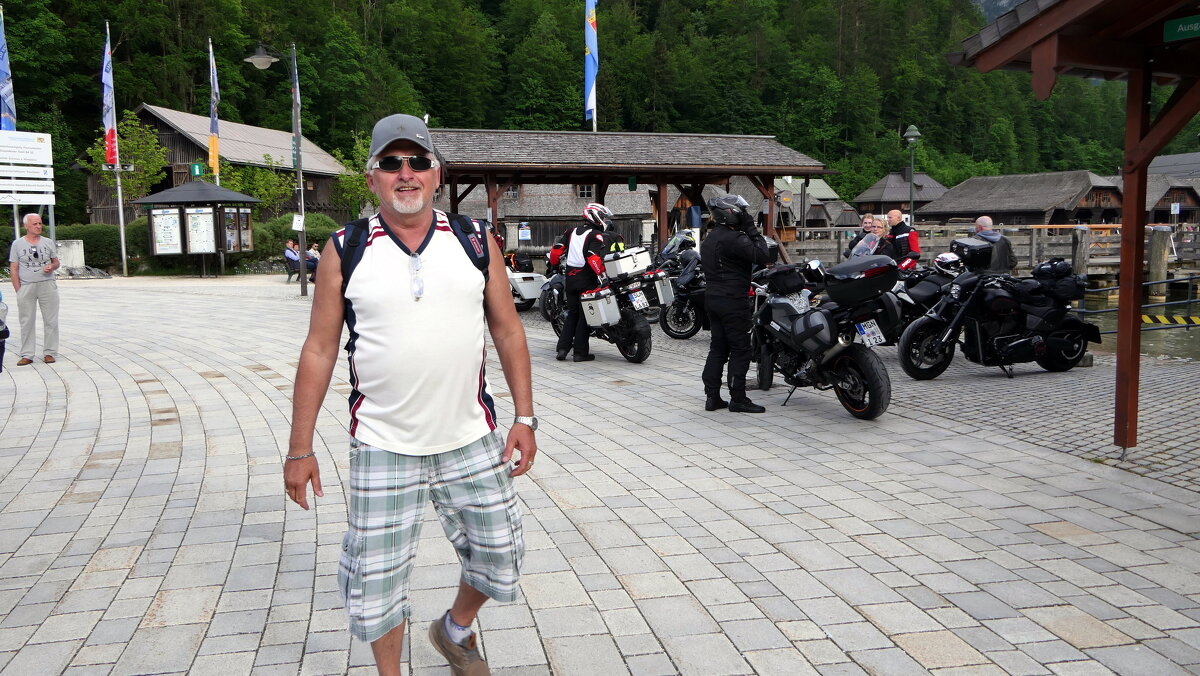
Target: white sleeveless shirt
x=416 y=365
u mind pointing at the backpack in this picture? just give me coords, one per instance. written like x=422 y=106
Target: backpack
x=468 y=231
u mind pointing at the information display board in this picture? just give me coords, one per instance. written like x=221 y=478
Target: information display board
x=233 y=240
x=29 y=168
x=244 y=226
x=166 y=235
x=201 y=231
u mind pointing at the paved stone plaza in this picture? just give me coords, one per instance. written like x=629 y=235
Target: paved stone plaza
x=143 y=526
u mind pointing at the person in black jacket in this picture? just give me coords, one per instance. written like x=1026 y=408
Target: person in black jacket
x=868 y=226
x=728 y=255
x=903 y=238
x=584 y=247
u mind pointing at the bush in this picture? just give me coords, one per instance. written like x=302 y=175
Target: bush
x=102 y=243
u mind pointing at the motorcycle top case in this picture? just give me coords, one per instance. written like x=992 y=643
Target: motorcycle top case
x=600 y=307
x=628 y=262
x=861 y=279
x=784 y=279
x=976 y=254
x=658 y=288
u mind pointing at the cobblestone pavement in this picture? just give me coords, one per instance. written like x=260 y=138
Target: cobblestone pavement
x=143 y=527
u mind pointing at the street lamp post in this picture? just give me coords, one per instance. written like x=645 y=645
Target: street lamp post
x=911 y=135
x=262 y=59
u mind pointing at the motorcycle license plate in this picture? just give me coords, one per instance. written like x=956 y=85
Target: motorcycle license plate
x=638 y=298
x=869 y=330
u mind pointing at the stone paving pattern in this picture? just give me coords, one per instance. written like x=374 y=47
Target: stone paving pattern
x=143 y=526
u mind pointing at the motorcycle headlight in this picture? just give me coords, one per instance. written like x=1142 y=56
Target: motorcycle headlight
x=955 y=291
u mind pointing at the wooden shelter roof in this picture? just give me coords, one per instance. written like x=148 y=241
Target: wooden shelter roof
x=893 y=188
x=585 y=157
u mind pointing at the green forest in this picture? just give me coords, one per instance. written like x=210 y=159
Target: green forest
x=836 y=79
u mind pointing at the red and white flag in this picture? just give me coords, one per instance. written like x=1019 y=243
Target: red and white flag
x=110 y=111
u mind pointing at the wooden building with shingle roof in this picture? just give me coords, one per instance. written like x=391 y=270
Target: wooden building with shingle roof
x=891 y=192
x=1060 y=197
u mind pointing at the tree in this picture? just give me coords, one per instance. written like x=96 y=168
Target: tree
x=272 y=184
x=351 y=191
x=137 y=144
x=542 y=81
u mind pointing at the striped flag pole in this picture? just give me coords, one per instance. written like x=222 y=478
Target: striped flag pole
x=591 y=62
x=111 y=154
x=214 y=155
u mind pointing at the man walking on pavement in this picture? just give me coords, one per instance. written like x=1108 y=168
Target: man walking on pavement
x=727 y=256
x=1003 y=260
x=32 y=260
x=422 y=417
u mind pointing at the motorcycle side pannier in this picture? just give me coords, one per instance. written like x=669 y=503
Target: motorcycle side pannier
x=976 y=254
x=600 y=307
x=815 y=331
x=658 y=289
x=861 y=279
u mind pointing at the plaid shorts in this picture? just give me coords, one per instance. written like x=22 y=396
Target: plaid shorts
x=474 y=498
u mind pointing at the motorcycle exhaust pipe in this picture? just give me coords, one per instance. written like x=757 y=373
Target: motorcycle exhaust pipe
x=842 y=343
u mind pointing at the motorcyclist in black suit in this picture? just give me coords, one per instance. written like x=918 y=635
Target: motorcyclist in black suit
x=727 y=256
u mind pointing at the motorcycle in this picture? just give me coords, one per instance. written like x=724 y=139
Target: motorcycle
x=553 y=291
x=685 y=317
x=815 y=327
x=526 y=285
x=918 y=290
x=999 y=320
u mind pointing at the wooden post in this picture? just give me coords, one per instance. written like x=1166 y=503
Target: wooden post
x=662 y=216
x=1081 y=242
x=1160 y=246
x=1033 y=261
x=1133 y=249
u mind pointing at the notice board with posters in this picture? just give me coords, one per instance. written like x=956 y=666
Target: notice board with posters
x=201 y=230
x=229 y=230
x=166 y=233
x=244 y=226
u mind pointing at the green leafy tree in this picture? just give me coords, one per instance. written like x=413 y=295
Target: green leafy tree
x=273 y=184
x=350 y=191
x=138 y=145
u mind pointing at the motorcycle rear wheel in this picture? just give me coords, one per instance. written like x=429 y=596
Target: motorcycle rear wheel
x=1058 y=360
x=633 y=346
x=523 y=305
x=862 y=384
x=765 y=363
x=680 y=321
x=919 y=359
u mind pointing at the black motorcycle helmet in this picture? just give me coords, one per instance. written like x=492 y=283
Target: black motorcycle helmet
x=728 y=210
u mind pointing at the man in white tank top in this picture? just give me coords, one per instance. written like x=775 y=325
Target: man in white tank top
x=422 y=417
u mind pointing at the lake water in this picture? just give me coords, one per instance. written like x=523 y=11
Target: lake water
x=1169 y=342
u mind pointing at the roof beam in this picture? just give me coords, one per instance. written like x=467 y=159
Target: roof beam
x=1178 y=111
x=1025 y=36
x=1147 y=13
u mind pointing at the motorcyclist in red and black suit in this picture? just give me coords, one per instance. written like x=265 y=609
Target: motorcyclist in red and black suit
x=583 y=248
x=905 y=248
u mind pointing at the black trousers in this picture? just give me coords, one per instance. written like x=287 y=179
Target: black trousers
x=730 y=320
x=575 y=329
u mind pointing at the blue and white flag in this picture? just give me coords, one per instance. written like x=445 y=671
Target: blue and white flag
x=8 y=102
x=591 y=60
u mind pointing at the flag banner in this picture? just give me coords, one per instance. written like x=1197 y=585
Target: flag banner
x=214 y=156
x=296 y=150
x=109 y=104
x=591 y=60
x=8 y=103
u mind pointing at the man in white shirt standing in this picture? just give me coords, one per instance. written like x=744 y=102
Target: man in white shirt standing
x=32 y=260
x=422 y=419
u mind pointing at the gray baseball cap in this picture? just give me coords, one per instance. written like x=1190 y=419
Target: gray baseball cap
x=400 y=127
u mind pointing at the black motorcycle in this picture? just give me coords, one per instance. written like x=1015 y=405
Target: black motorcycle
x=614 y=314
x=553 y=291
x=918 y=290
x=815 y=328
x=1000 y=320
x=685 y=317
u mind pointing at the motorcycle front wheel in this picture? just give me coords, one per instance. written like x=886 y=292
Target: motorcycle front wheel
x=861 y=382
x=548 y=303
x=764 y=361
x=558 y=319
x=632 y=345
x=680 y=321
x=1063 y=358
x=919 y=355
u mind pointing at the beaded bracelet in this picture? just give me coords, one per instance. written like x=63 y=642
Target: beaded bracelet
x=299 y=457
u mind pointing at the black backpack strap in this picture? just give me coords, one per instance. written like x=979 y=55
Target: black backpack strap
x=473 y=240
x=351 y=248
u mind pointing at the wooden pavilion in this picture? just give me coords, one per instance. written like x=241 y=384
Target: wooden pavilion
x=498 y=159
x=1139 y=41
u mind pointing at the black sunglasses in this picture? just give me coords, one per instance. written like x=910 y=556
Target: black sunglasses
x=392 y=163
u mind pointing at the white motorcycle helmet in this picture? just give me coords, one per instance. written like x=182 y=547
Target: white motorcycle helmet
x=949 y=264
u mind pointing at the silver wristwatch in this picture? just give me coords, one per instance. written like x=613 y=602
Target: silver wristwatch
x=529 y=420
